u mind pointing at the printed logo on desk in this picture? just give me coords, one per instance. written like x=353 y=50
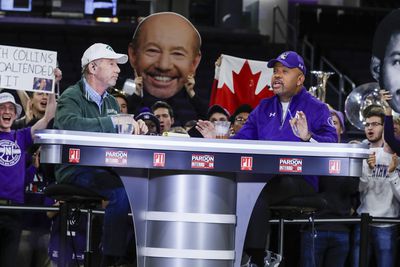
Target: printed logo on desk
x=159 y=160
x=116 y=157
x=74 y=155
x=202 y=161
x=334 y=166
x=246 y=163
x=292 y=165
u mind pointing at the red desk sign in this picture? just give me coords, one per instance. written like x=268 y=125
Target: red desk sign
x=159 y=159
x=74 y=155
x=334 y=166
x=246 y=163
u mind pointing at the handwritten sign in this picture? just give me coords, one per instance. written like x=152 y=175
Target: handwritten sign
x=27 y=69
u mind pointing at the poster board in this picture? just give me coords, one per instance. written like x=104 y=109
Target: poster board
x=27 y=69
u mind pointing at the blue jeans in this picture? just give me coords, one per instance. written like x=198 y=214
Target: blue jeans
x=383 y=242
x=330 y=249
x=116 y=220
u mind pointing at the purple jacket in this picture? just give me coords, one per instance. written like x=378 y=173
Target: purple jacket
x=266 y=122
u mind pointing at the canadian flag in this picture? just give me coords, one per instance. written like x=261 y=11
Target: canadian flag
x=240 y=81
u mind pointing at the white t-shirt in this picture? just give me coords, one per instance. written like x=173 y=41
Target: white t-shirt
x=285 y=106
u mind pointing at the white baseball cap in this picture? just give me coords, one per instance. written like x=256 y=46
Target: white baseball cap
x=99 y=50
x=7 y=97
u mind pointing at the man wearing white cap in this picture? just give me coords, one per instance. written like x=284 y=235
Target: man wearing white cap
x=86 y=106
x=13 y=147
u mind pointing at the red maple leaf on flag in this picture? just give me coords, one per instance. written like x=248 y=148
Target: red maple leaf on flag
x=240 y=87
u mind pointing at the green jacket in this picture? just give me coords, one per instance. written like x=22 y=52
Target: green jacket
x=76 y=111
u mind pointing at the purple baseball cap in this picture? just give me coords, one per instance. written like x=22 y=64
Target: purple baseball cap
x=289 y=59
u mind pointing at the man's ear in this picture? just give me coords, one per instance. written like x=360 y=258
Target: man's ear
x=172 y=121
x=375 y=68
x=300 y=80
x=91 y=68
x=132 y=55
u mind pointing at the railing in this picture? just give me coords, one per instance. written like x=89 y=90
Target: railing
x=344 y=84
x=45 y=208
x=347 y=220
x=277 y=13
x=350 y=82
x=308 y=53
x=364 y=220
x=325 y=64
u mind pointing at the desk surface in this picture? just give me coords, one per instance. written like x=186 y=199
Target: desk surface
x=201 y=202
x=175 y=153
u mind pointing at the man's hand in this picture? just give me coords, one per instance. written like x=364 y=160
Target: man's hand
x=371 y=160
x=206 y=128
x=122 y=122
x=385 y=97
x=393 y=163
x=300 y=126
x=139 y=86
x=189 y=85
x=58 y=74
x=218 y=61
x=142 y=127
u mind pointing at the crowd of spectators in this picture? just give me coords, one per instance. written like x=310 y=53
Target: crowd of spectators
x=165 y=101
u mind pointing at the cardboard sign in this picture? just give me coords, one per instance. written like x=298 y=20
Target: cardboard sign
x=27 y=69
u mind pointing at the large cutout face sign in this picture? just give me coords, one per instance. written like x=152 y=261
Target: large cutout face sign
x=164 y=51
x=385 y=60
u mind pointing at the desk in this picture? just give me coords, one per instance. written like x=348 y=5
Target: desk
x=192 y=198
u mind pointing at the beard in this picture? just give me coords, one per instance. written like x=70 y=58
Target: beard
x=374 y=139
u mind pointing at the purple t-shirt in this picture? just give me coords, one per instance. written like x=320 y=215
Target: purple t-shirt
x=13 y=147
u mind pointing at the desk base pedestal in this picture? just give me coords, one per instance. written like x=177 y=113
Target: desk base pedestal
x=183 y=218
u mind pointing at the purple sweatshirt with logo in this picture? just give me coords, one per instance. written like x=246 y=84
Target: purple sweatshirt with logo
x=13 y=147
x=266 y=122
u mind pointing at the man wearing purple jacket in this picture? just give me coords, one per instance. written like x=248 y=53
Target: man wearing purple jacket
x=291 y=115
